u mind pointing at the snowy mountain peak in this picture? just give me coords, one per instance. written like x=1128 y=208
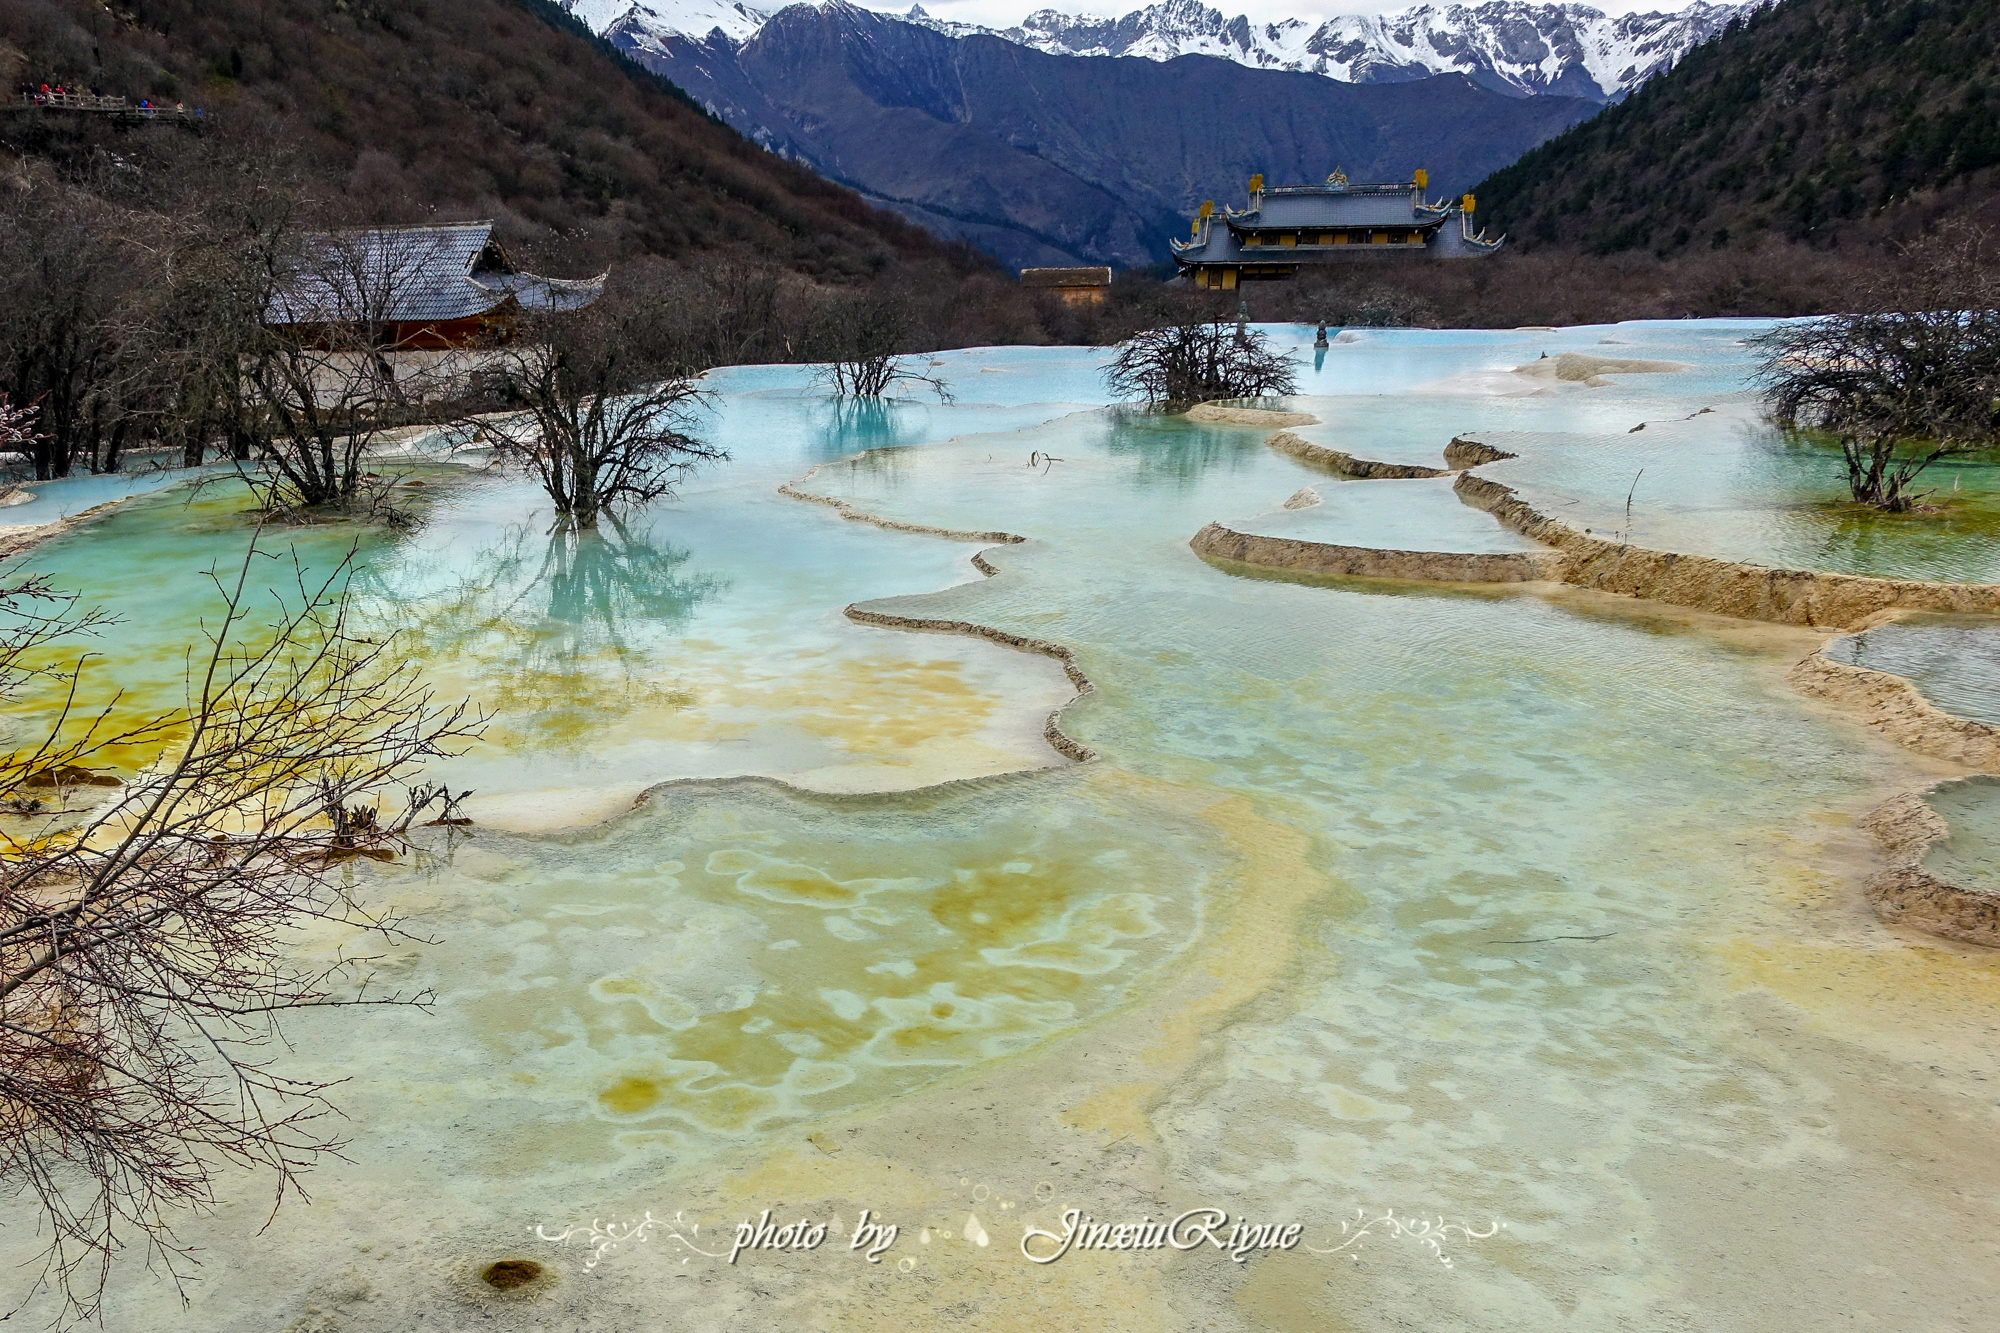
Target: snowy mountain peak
x=647 y=25
x=1511 y=46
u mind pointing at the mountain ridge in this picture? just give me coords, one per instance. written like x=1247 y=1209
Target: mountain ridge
x=1045 y=159
x=1512 y=46
x=1813 y=122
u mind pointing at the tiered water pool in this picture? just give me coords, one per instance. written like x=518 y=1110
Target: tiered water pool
x=1525 y=906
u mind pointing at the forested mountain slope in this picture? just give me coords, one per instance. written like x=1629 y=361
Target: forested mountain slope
x=1820 y=122
x=502 y=108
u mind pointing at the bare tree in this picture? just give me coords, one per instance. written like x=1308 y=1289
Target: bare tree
x=859 y=338
x=1195 y=361
x=607 y=407
x=317 y=366
x=1913 y=379
x=17 y=428
x=195 y=332
x=144 y=925
x=66 y=271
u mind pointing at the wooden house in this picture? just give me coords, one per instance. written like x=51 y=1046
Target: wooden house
x=415 y=289
x=1072 y=286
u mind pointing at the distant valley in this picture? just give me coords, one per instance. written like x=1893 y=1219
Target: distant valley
x=1042 y=157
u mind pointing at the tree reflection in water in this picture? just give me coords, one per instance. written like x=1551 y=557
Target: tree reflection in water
x=852 y=425
x=1173 y=451
x=564 y=633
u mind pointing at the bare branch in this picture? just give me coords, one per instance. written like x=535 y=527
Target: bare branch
x=144 y=942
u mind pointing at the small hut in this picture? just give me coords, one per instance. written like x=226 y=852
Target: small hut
x=1072 y=286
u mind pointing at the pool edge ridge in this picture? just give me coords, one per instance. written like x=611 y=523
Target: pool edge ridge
x=790 y=490
x=1218 y=541
x=1343 y=464
x=1052 y=730
x=1906 y=827
x=1745 y=591
x=1894 y=706
x=27 y=538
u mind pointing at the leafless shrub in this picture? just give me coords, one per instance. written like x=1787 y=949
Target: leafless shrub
x=860 y=339
x=144 y=953
x=1193 y=362
x=607 y=406
x=1909 y=380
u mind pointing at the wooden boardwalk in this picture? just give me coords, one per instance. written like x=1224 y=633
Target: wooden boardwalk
x=117 y=109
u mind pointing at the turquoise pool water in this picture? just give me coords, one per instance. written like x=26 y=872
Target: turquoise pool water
x=1500 y=907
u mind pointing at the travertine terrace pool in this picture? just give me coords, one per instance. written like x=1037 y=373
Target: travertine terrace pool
x=1528 y=908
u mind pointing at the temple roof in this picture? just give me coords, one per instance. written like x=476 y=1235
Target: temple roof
x=397 y=275
x=1332 y=206
x=1217 y=245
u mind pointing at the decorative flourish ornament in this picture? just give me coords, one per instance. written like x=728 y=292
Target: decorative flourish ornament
x=606 y=1238
x=1432 y=1232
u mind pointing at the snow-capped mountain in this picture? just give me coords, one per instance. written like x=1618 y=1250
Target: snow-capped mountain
x=1508 y=45
x=646 y=25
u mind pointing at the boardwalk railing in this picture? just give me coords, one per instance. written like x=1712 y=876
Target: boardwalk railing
x=118 y=108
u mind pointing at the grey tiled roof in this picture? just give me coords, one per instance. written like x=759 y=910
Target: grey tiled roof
x=543 y=293
x=1304 y=208
x=1330 y=208
x=414 y=275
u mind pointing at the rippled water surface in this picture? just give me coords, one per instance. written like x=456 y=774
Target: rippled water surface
x=1510 y=907
x=1954 y=662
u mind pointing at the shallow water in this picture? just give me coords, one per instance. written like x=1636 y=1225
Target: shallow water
x=1954 y=662
x=49 y=501
x=1970 y=854
x=1535 y=909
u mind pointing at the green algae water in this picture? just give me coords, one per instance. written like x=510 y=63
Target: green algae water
x=1534 y=912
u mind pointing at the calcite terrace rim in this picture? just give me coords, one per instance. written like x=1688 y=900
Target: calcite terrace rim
x=1906 y=827
x=1895 y=706
x=1059 y=741
x=1746 y=591
x=1220 y=542
x=1343 y=464
x=791 y=490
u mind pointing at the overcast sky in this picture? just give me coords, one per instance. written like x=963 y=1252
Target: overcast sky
x=1006 y=13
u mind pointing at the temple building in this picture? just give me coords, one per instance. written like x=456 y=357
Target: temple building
x=416 y=288
x=1291 y=227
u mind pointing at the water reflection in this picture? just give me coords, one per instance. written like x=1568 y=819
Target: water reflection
x=559 y=625
x=843 y=425
x=1176 y=452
